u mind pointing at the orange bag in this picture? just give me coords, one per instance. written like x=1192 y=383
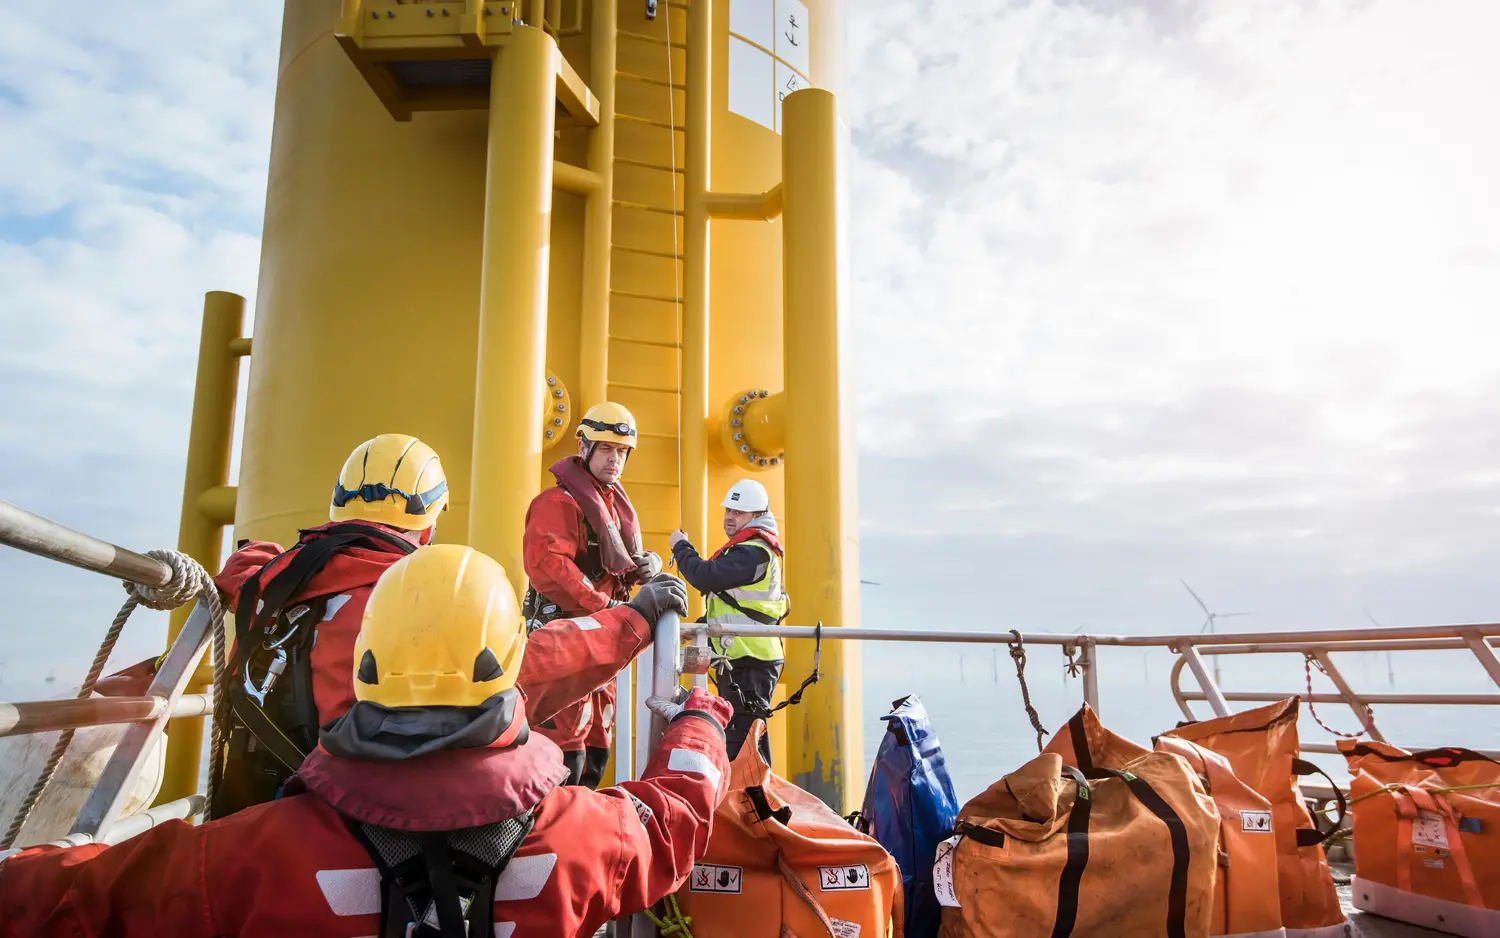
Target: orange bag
x=782 y=864
x=1262 y=749
x=1045 y=853
x=1426 y=844
x=1245 y=903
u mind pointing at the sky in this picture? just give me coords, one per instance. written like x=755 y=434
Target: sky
x=1139 y=291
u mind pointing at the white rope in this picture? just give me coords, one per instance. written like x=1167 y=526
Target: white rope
x=189 y=580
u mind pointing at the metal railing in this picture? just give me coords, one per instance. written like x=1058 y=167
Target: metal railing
x=660 y=670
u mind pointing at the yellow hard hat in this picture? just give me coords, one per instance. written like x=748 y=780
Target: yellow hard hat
x=441 y=629
x=608 y=423
x=393 y=479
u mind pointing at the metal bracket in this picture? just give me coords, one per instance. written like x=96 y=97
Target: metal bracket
x=650 y=9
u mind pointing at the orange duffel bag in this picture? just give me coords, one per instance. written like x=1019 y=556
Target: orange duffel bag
x=1246 y=904
x=782 y=864
x=1426 y=836
x=1046 y=853
x=1262 y=748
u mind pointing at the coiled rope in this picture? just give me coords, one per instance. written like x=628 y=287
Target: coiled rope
x=189 y=581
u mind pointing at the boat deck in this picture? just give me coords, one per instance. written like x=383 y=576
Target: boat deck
x=1373 y=926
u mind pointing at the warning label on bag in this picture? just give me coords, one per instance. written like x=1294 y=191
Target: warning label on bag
x=843 y=929
x=710 y=878
x=835 y=878
x=1258 y=822
x=1429 y=829
x=942 y=873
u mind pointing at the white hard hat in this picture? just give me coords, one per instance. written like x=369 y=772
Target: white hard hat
x=747 y=495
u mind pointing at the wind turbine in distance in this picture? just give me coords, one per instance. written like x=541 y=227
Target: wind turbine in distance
x=1208 y=623
x=1390 y=671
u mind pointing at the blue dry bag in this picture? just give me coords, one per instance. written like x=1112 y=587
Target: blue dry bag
x=910 y=807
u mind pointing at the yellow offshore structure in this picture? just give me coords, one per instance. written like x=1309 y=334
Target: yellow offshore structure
x=484 y=216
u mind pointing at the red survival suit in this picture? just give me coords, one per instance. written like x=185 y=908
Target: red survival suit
x=316 y=592
x=562 y=558
x=293 y=867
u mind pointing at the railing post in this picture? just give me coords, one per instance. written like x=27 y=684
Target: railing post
x=1205 y=681
x=208 y=501
x=1486 y=655
x=1089 y=661
x=1360 y=708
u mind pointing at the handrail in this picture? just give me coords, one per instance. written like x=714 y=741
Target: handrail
x=34 y=534
x=46 y=716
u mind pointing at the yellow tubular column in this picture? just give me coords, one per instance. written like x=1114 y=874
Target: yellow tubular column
x=511 y=378
x=823 y=734
x=598 y=213
x=697 y=177
x=199 y=535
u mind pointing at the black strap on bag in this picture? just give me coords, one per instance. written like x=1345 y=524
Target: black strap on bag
x=755 y=615
x=1181 y=853
x=440 y=883
x=1080 y=737
x=1311 y=837
x=1078 y=855
x=762 y=806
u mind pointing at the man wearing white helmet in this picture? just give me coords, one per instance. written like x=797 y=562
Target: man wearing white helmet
x=742 y=585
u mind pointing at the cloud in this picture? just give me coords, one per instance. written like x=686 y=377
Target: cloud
x=132 y=180
x=1209 y=282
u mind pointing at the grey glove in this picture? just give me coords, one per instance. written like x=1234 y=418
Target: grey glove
x=647 y=565
x=662 y=593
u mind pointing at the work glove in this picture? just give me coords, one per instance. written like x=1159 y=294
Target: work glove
x=658 y=595
x=647 y=565
x=701 y=701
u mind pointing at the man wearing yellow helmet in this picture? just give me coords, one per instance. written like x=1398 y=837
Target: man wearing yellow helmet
x=427 y=809
x=582 y=551
x=297 y=611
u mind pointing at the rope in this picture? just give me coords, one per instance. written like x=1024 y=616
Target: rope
x=1018 y=653
x=189 y=580
x=1387 y=789
x=1307 y=665
x=672 y=922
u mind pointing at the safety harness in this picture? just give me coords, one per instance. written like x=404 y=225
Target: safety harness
x=440 y=883
x=275 y=718
x=731 y=691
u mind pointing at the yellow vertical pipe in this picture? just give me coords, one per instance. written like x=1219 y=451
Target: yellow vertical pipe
x=598 y=212
x=823 y=734
x=209 y=444
x=697 y=178
x=511 y=378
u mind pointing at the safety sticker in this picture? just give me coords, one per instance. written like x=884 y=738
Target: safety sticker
x=710 y=878
x=942 y=873
x=837 y=878
x=843 y=929
x=1257 y=822
x=1429 y=829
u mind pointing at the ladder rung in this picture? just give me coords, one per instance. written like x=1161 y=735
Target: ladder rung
x=620 y=160
x=641 y=206
x=659 y=436
x=655 y=482
x=657 y=533
x=649 y=122
x=649 y=342
x=643 y=387
x=642 y=37
x=649 y=253
x=645 y=296
x=646 y=79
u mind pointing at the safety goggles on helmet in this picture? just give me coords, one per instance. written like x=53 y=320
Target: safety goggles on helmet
x=379 y=492
x=622 y=428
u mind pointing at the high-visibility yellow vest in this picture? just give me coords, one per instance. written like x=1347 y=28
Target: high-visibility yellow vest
x=765 y=596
